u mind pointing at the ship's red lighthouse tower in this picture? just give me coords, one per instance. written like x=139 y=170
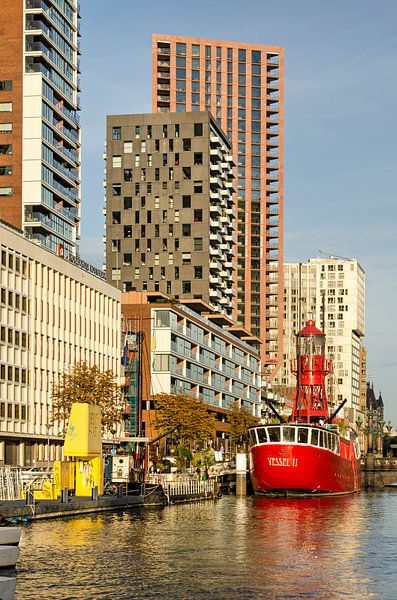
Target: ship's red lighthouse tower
x=310 y=368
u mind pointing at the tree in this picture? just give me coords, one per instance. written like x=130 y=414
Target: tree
x=240 y=421
x=90 y=385
x=188 y=414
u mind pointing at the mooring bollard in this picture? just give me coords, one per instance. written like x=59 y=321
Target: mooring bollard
x=65 y=495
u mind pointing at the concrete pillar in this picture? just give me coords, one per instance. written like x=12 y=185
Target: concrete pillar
x=2 y=452
x=21 y=449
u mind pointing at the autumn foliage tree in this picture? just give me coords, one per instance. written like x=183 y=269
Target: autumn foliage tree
x=90 y=385
x=240 y=421
x=188 y=414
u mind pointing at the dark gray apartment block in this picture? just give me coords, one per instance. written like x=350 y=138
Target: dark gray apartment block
x=170 y=209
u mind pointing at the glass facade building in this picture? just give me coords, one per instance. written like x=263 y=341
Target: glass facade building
x=40 y=191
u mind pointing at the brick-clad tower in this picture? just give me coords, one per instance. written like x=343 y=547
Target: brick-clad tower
x=39 y=122
x=242 y=86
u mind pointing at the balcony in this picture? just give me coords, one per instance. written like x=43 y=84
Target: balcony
x=163 y=50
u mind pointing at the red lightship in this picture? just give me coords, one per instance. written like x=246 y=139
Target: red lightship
x=306 y=456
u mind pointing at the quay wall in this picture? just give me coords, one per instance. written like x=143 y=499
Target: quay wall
x=378 y=472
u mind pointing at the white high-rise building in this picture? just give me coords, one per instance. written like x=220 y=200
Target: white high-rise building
x=332 y=292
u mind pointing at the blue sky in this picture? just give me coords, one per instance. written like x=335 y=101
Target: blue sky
x=340 y=127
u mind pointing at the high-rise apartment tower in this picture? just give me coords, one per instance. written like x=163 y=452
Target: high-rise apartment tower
x=332 y=292
x=242 y=86
x=170 y=213
x=39 y=123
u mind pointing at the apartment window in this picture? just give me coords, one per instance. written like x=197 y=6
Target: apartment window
x=187 y=144
x=186 y=172
x=198 y=244
x=181 y=49
x=148 y=244
x=198 y=272
x=127 y=174
x=198 y=187
x=116 y=245
x=5 y=127
x=137 y=216
x=5 y=106
x=186 y=201
x=5 y=170
x=186 y=229
x=143 y=231
x=5 y=148
x=127 y=260
x=127 y=147
x=137 y=131
x=157 y=231
x=198 y=158
x=186 y=287
x=198 y=129
x=137 y=160
x=128 y=231
x=149 y=131
x=116 y=217
x=149 y=188
x=170 y=258
x=198 y=215
x=157 y=174
x=127 y=202
x=195 y=50
x=116 y=189
x=186 y=258
x=116 y=133
x=6 y=86
x=170 y=174
x=137 y=189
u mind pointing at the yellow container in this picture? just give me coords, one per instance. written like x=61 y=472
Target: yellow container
x=84 y=436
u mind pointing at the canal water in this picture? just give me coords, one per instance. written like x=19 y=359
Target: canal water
x=232 y=548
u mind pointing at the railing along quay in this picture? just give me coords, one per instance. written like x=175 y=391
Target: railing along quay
x=183 y=489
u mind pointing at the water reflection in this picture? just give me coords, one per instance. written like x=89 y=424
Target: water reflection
x=233 y=548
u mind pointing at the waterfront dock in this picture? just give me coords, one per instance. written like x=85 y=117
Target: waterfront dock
x=147 y=495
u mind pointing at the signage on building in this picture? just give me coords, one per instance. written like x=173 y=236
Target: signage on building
x=79 y=262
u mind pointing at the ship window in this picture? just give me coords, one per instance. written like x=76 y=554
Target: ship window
x=274 y=434
x=315 y=433
x=288 y=434
x=321 y=438
x=303 y=435
x=252 y=437
x=262 y=435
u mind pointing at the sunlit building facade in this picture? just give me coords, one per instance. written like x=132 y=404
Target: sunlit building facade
x=332 y=292
x=242 y=86
x=39 y=121
x=54 y=313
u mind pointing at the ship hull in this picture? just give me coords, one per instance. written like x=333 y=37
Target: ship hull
x=304 y=470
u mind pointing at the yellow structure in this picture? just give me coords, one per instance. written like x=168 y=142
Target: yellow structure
x=83 y=442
